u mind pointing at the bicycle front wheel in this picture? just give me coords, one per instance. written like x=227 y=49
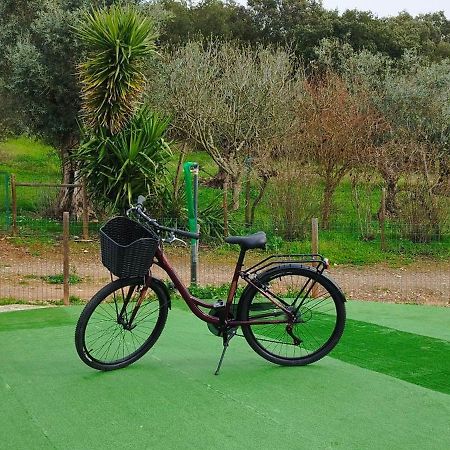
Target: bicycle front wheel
x=318 y=306
x=121 y=323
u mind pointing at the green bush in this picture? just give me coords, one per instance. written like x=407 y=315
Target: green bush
x=59 y=279
x=118 y=168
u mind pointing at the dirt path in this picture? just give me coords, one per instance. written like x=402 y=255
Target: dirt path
x=22 y=272
x=18 y=307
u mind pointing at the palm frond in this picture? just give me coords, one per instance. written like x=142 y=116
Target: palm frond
x=118 y=39
x=129 y=163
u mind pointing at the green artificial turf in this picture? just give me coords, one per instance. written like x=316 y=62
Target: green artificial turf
x=421 y=360
x=170 y=398
x=37 y=318
x=415 y=358
x=418 y=319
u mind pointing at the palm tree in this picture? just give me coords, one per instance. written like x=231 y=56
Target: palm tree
x=117 y=168
x=123 y=153
x=118 y=40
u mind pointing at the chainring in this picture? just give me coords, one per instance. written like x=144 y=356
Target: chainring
x=219 y=312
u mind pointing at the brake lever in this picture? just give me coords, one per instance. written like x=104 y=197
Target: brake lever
x=171 y=239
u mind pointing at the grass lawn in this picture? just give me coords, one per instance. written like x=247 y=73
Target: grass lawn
x=32 y=162
x=170 y=398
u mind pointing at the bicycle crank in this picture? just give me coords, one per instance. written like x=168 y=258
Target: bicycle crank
x=219 y=312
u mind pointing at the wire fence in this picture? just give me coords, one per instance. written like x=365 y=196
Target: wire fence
x=407 y=270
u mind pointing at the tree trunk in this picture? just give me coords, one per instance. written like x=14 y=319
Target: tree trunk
x=225 y=205
x=77 y=199
x=390 y=177
x=443 y=184
x=247 y=201
x=391 y=195
x=262 y=189
x=236 y=185
x=176 y=181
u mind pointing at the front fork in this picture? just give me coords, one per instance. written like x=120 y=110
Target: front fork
x=128 y=323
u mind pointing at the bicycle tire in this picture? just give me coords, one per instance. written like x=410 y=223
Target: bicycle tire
x=101 y=338
x=272 y=341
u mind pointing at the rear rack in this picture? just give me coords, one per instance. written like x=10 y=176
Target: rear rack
x=317 y=261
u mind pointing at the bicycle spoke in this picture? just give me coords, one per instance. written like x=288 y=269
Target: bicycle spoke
x=109 y=338
x=313 y=313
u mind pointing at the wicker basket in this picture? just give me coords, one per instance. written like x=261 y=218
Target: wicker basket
x=127 y=247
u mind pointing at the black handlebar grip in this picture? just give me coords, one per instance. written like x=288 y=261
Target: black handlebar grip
x=187 y=234
x=183 y=233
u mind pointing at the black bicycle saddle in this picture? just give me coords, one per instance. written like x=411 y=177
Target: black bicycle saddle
x=256 y=240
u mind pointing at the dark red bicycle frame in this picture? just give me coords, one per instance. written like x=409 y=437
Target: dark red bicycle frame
x=194 y=303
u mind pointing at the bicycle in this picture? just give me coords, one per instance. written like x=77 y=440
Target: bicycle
x=290 y=312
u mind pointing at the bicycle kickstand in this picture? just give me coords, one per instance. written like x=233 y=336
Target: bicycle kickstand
x=227 y=336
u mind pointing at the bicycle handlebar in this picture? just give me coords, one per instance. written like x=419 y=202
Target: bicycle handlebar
x=139 y=209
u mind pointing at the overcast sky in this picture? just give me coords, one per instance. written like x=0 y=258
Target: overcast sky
x=391 y=7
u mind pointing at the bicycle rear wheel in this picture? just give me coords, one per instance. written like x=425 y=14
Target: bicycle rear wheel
x=113 y=331
x=319 y=310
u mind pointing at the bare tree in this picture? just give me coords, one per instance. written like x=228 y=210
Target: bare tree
x=336 y=129
x=233 y=101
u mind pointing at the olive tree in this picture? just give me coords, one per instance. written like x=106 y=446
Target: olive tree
x=233 y=101
x=417 y=99
x=412 y=96
x=41 y=81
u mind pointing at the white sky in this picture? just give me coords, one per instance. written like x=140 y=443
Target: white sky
x=391 y=7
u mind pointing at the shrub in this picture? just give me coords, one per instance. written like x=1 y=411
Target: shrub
x=117 y=168
x=294 y=200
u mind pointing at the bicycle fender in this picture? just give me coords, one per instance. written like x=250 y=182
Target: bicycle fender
x=159 y=284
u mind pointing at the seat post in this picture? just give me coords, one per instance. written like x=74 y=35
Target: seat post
x=240 y=260
x=234 y=281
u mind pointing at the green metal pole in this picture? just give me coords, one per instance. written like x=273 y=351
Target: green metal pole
x=191 y=187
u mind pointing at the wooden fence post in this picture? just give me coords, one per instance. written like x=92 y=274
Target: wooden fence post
x=66 y=257
x=14 y=204
x=382 y=219
x=85 y=212
x=314 y=248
